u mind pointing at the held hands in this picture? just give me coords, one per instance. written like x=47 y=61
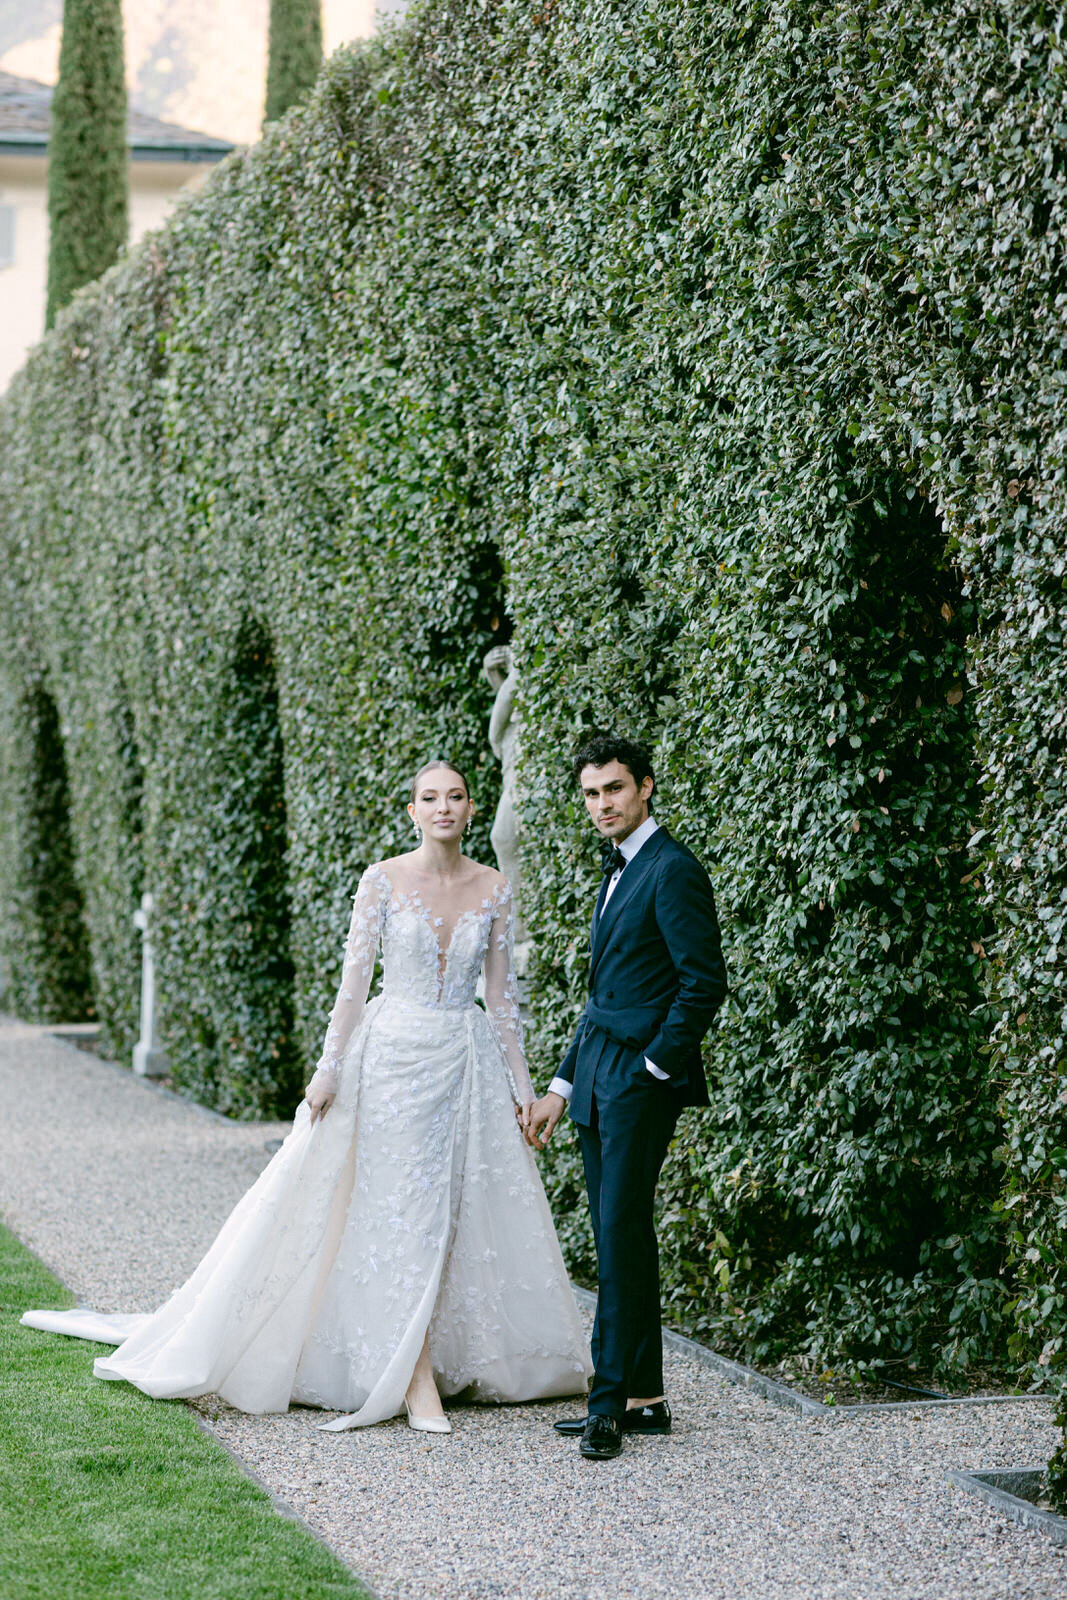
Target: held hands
x=541 y=1115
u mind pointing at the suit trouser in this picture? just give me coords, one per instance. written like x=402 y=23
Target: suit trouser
x=623 y=1147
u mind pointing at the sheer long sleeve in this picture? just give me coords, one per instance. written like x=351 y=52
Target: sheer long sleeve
x=502 y=995
x=361 y=948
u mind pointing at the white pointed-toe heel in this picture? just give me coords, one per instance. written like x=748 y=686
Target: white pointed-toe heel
x=427 y=1424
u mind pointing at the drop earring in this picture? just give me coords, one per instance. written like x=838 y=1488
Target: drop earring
x=417 y=831
x=470 y=820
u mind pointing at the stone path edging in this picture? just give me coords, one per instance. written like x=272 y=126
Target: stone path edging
x=67 y=1035
x=997 y=1486
x=780 y=1394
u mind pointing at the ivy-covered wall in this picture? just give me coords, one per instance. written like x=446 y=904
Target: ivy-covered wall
x=715 y=353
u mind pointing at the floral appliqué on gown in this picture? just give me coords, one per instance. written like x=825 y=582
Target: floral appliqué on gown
x=413 y=1204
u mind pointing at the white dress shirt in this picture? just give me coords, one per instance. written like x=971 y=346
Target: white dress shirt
x=628 y=847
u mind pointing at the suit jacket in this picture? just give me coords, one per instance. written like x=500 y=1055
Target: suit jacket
x=656 y=980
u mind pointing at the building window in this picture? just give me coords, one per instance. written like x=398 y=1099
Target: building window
x=7 y=235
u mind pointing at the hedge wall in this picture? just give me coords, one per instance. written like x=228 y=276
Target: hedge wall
x=717 y=352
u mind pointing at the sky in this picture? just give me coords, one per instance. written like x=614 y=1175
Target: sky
x=199 y=63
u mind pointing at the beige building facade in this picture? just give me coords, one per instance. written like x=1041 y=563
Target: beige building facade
x=165 y=161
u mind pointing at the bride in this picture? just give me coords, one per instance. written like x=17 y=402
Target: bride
x=399 y=1246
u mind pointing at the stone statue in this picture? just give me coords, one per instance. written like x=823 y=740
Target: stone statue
x=504 y=740
x=148 y=1059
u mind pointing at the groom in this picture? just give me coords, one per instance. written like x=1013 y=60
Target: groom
x=656 y=980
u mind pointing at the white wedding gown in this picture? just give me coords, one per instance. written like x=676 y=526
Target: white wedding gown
x=413 y=1204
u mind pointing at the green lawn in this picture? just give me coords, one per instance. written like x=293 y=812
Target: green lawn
x=105 y=1493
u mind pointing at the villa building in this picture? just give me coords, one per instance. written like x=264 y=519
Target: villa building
x=165 y=161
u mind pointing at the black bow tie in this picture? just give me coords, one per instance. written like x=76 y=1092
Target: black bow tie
x=611 y=857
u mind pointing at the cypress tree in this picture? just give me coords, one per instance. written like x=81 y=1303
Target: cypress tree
x=295 y=53
x=87 y=160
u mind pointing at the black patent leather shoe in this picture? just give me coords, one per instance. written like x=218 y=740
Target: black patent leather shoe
x=641 y=1419
x=601 y=1440
x=648 y=1419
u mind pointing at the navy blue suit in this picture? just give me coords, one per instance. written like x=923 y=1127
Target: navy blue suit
x=656 y=980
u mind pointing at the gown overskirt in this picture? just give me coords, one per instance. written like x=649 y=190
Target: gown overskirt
x=414 y=1204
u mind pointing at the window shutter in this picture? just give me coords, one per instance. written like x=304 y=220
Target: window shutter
x=7 y=235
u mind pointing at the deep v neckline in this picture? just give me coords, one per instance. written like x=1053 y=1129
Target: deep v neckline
x=433 y=923
x=401 y=899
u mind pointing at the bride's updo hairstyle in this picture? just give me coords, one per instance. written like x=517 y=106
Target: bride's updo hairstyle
x=438 y=766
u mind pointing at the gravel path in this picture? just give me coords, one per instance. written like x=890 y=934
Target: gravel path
x=120 y=1189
